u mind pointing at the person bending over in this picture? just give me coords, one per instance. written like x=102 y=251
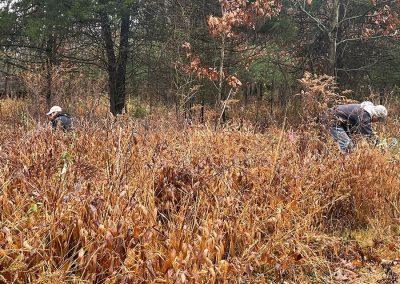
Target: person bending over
x=353 y=119
x=59 y=119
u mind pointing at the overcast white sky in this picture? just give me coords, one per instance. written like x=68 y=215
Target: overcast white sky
x=3 y=3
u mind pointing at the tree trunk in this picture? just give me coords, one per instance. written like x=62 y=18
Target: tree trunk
x=122 y=61
x=381 y=95
x=246 y=94
x=221 y=71
x=49 y=85
x=6 y=83
x=332 y=52
x=219 y=104
x=202 y=112
x=50 y=49
x=339 y=36
x=116 y=69
x=111 y=60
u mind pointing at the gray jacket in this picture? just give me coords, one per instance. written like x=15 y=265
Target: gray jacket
x=62 y=120
x=353 y=118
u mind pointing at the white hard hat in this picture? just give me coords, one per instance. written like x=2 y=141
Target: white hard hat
x=54 y=109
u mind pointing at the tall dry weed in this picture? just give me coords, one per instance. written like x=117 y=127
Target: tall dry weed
x=127 y=201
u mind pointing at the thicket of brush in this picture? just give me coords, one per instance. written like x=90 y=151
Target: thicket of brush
x=126 y=200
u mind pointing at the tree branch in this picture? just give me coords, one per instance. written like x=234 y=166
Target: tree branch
x=360 y=38
x=319 y=23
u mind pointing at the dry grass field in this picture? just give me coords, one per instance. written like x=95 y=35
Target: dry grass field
x=153 y=200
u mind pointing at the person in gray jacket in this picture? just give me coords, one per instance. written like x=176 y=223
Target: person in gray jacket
x=59 y=119
x=353 y=119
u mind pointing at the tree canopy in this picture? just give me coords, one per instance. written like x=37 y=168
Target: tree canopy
x=157 y=48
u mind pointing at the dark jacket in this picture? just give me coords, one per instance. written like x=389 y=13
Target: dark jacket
x=353 y=119
x=62 y=120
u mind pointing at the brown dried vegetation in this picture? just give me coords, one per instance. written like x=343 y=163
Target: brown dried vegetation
x=130 y=201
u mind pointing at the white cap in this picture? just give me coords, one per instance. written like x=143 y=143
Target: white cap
x=54 y=109
x=378 y=111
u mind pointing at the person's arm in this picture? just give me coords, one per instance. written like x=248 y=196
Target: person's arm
x=366 y=129
x=57 y=123
x=54 y=124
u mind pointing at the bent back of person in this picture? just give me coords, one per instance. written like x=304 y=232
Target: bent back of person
x=62 y=121
x=352 y=119
x=59 y=119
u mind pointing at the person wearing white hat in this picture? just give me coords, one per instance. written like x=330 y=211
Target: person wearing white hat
x=59 y=119
x=355 y=119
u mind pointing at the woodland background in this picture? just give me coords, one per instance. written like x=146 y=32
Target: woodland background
x=186 y=53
